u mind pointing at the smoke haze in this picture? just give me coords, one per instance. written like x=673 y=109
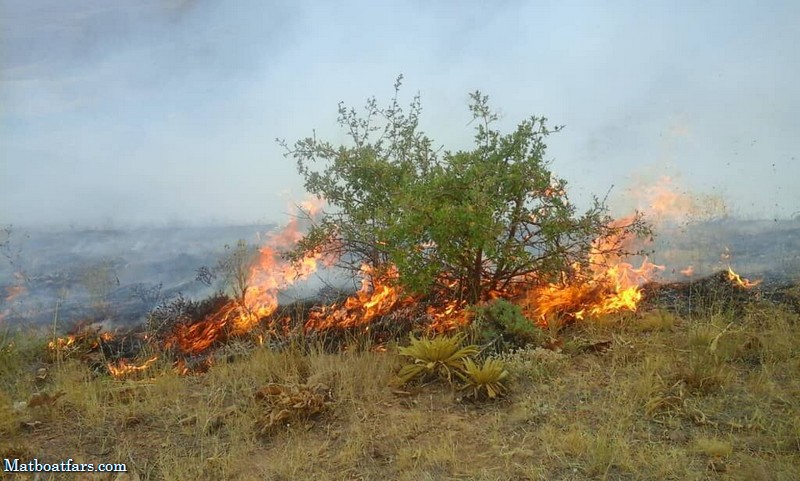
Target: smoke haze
x=154 y=112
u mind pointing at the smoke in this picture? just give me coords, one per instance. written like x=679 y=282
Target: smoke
x=156 y=112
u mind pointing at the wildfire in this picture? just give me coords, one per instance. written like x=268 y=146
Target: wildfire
x=740 y=281
x=378 y=296
x=123 y=368
x=454 y=314
x=61 y=343
x=87 y=339
x=611 y=285
x=608 y=283
x=269 y=274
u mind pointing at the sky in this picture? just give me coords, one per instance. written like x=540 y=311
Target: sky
x=167 y=111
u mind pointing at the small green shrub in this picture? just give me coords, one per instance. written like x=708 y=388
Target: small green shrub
x=503 y=324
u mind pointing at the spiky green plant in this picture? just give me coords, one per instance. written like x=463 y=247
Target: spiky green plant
x=485 y=379
x=438 y=356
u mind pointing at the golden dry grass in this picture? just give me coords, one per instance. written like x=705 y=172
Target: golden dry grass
x=669 y=398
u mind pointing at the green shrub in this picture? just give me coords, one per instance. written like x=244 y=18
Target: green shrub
x=503 y=324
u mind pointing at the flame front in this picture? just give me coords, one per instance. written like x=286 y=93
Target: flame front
x=85 y=340
x=378 y=296
x=611 y=284
x=269 y=274
x=607 y=283
x=123 y=368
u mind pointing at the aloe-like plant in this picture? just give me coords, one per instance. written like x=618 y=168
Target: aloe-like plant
x=484 y=379
x=438 y=356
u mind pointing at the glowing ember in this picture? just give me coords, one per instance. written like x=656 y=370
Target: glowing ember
x=122 y=368
x=688 y=272
x=454 y=314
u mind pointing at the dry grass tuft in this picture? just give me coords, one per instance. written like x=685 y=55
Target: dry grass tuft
x=288 y=404
x=712 y=447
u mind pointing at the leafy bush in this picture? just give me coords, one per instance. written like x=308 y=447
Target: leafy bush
x=466 y=222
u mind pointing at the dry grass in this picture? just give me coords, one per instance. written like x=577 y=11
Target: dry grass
x=647 y=396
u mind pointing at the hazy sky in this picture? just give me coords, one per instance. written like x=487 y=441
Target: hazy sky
x=154 y=111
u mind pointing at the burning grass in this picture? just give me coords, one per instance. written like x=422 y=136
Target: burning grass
x=604 y=375
x=665 y=397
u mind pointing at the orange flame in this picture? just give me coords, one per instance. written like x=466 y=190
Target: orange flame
x=608 y=283
x=86 y=339
x=612 y=285
x=378 y=296
x=740 y=281
x=451 y=316
x=61 y=343
x=269 y=274
x=122 y=368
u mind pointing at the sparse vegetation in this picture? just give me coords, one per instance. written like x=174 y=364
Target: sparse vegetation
x=232 y=271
